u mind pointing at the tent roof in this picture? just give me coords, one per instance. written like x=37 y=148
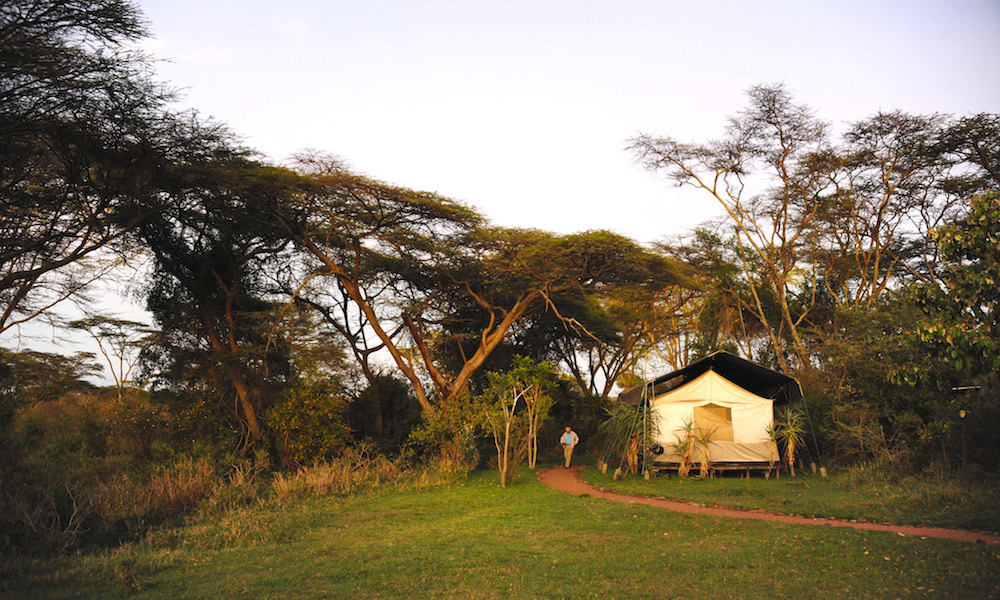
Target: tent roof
x=710 y=387
x=750 y=376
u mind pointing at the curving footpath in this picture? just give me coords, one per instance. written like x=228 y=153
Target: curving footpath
x=568 y=481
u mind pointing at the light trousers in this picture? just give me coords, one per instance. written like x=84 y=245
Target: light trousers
x=567 y=454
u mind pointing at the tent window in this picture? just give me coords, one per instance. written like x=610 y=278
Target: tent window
x=715 y=418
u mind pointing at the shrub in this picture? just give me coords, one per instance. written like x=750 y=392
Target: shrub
x=310 y=424
x=446 y=440
x=42 y=521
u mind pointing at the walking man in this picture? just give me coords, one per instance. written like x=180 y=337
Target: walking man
x=569 y=440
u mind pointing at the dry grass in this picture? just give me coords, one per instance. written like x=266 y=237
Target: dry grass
x=128 y=505
x=356 y=471
x=173 y=490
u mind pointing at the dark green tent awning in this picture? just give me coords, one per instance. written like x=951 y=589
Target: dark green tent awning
x=750 y=376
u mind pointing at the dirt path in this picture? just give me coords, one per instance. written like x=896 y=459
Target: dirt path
x=568 y=480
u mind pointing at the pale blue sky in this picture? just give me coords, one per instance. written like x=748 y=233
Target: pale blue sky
x=522 y=108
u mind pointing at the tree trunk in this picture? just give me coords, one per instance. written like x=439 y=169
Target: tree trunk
x=248 y=409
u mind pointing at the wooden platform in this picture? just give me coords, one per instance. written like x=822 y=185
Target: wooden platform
x=743 y=469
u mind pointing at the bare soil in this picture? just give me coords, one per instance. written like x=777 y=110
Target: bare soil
x=568 y=480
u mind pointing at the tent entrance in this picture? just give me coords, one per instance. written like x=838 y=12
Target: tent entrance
x=715 y=418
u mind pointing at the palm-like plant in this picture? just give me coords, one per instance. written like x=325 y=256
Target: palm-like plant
x=682 y=446
x=632 y=456
x=791 y=430
x=685 y=448
x=703 y=437
x=772 y=448
x=623 y=430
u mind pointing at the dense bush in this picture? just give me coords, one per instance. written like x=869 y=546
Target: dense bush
x=309 y=424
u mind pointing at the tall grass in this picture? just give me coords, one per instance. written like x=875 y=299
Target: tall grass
x=356 y=471
x=171 y=490
x=44 y=520
x=126 y=505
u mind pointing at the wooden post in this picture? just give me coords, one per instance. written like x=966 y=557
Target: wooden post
x=965 y=452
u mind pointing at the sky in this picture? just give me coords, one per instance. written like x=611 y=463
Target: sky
x=522 y=109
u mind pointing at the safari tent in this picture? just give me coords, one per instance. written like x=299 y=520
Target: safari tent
x=723 y=394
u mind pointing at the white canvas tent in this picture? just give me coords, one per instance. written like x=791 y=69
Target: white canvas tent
x=724 y=393
x=736 y=418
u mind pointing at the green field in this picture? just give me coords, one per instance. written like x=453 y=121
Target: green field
x=859 y=493
x=476 y=540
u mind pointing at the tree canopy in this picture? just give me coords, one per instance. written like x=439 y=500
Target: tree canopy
x=87 y=138
x=275 y=290
x=963 y=322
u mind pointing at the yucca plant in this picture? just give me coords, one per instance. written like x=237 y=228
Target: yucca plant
x=703 y=437
x=772 y=448
x=791 y=430
x=623 y=431
x=682 y=446
x=632 y=456
x=685 y=448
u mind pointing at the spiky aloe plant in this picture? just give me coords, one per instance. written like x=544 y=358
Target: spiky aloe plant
x=791 y=430
x=682 y=446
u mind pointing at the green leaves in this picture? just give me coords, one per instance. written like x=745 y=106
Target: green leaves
x=962 y=326
x=513 y=407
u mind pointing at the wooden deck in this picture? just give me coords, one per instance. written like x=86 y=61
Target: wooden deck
x=743 y=469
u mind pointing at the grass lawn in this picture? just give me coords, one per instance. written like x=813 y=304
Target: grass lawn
x=476 y=540
x=851 y=494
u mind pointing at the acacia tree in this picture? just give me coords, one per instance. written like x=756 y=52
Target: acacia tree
x=889 y=192
x=783 y=148
x=724 y=316
x=819 y=227
x=30 y=378
x=208 y=292
x=334 y=304
x=120 y=342
x=85 y=136
x=430 y=282
x=624 y=325
x=376 y=243
x=338 y=313
x=975 y=141
x=533 y=283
